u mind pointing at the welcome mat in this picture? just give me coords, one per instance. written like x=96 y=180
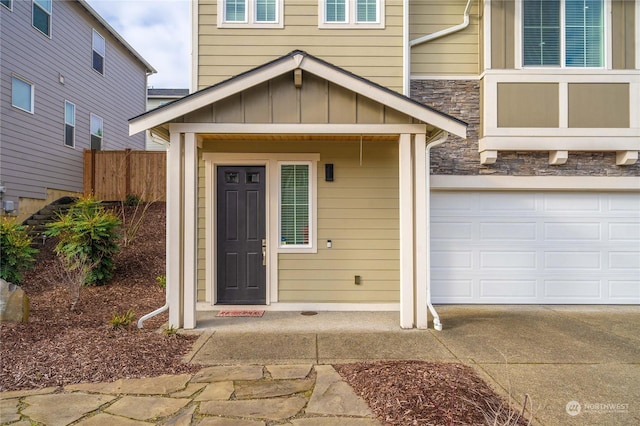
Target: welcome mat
x=235 y=313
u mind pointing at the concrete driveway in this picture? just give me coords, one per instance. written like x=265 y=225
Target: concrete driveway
x=579 y=364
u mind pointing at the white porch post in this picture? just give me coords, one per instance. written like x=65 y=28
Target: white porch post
x=420 y=149
x=174 y=230
x=190 y=230
x=407 y=312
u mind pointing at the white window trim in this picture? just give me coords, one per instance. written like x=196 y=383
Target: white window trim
x=350 y=22
x=104 y=56
x=10 y=7
x=313 y=183
x=518 y=36
x=251 y=22
x=33 y=91
x=64 y=127
x=33 y=3
x=91 y=115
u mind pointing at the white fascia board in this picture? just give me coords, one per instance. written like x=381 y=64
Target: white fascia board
x=535 y=183
x=292 y=129
x=363 y=88
x=578 y=143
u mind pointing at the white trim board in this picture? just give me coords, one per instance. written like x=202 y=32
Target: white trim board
x=535 y=183
x=293 y=306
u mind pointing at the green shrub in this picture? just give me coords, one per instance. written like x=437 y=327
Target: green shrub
x=132 y=200
x=162 y=281
x=123 y=320
x=88 y=235
x=16 y=254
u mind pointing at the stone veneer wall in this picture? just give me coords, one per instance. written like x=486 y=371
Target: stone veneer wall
x=461 y=99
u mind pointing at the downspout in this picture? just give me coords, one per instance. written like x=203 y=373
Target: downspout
x=406 y=51
x=442 y=138
x=156 y=312
x=446 y=31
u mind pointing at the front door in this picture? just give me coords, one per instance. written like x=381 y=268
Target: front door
x=241 y=262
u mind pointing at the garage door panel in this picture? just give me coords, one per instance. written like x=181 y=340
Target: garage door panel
x=527 y=247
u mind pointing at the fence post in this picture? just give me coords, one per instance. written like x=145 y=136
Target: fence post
x=93 y=172
x=127 y=176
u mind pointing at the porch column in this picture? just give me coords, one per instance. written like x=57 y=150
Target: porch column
x=407 y=301
x=174 y=230
x=190 y=230
x=420 y=149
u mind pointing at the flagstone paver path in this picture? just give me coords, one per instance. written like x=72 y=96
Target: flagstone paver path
x=297 y=395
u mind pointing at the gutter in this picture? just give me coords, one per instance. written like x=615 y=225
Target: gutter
x=441 y=138
x=446 y=31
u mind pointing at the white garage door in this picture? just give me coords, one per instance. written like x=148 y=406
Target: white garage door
x=528 y=247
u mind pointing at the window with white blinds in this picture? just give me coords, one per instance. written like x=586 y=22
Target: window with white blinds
x=336 y=11
x=367 y=10
x=295 y=196
x=351 y=13
x=247 y=13
x=563 y=33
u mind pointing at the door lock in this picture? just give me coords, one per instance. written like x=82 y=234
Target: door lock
x=264 y=252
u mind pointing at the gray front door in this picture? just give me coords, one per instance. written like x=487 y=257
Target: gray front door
x=241 y=276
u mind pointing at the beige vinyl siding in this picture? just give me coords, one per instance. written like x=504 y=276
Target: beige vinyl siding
x=502 y=34
x=528 y=105
x=599 y=105
x=454 y=54
x=623 y=44
x=358 y=211
x=225 y=52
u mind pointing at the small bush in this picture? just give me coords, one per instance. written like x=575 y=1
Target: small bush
x=162 y=281
x=170 y=331
x=88 y=235
x=16 y=253
x=124 y=320
x=132 y=200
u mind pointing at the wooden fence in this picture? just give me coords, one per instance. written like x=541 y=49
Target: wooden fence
x=112 y=175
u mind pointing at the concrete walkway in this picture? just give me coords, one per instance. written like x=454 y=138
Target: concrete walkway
x=580 y=365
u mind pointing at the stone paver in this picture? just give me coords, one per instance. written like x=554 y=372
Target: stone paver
x=62 y=409
x=23 y=393
x=281 y=372
x=9 y=410
x=102 y=419
x=272 y=388
x=270 y=409
x=232 y=372
x=146 y=407
x=191 y=389
x=183 y=418
x=334 y=421
x=220 y=391
x=221 y=421
x=160 y=385
x=331 y=395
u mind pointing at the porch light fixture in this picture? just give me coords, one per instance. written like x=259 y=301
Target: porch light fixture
x=328 y=172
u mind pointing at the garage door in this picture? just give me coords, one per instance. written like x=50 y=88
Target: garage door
x=528 y=247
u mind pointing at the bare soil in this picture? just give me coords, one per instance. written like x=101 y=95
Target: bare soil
x=59 y=346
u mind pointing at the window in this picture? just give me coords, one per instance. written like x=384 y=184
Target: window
x=250 y=13
x=7 y=3
x=21 y=94
x=563 y=33
x=69 y=124
x=295 y=196
x=98 y=52
x=96 y=132
x=41 y=16
x=351 y=13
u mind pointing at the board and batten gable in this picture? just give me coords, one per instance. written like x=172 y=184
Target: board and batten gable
x=35 y=159
x=375 y=53
x=455 y=54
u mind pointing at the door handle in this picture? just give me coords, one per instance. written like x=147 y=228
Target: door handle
x=264 y=252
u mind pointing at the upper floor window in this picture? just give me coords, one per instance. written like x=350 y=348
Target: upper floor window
x=21 y=94
x=96 y=132
x=250 y=13
x=41 y=16
x=98 y=52
x=563 y=33
x=351 y=13
x=69 y=124
x=7 y=3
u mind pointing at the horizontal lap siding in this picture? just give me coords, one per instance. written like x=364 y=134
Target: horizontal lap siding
x=358 y=211
x=454 y=54
x=34 y=157
x=225 y=52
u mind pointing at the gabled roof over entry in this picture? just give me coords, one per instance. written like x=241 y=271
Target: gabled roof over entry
x=288 y=63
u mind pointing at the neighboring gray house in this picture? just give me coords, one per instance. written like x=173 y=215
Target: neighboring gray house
x=155 y=99
x=68 y=82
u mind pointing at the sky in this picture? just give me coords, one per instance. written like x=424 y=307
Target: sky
x=159 y=30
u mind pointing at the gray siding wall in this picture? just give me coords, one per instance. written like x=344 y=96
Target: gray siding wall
x=33 y=157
